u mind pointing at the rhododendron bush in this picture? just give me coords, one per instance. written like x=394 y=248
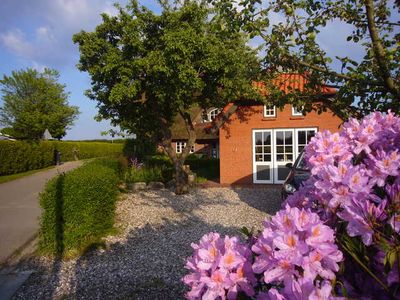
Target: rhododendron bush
x=337 y=236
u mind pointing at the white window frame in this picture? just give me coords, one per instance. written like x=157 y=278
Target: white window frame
x=267 y=111
x=255 y=163
x=296 y=112
x=315 y=129
x=179 y=146
x=273 y=164
x=211 y=115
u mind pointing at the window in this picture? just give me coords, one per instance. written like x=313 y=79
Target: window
x=297 y=112
x=303 y=138
x=269 y=111
x=211 y=115
x=181 y=145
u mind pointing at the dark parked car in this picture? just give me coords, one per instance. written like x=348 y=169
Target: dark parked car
x=298 y=173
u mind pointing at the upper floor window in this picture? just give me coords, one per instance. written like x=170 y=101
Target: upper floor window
x=181 y=145
x=269 y=111
x=211 y=115
x=297 y=112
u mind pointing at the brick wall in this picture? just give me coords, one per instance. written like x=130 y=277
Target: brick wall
x=236 y=162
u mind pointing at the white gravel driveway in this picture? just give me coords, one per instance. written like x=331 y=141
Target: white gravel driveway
x=145 y=260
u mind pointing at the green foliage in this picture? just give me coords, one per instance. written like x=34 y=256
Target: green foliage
x=204 y=167
x=78 y=208
x=139 y=148
x=147 y=174
x=21 y=156
x=33 y=102
x=158 y=160
x=293 y=45
x=147 y=68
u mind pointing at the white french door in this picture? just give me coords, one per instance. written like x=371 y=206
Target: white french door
x=283 y=153
x=274 y=148
x=262 y=156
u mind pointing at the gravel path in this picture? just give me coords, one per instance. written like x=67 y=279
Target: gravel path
x=145 y=259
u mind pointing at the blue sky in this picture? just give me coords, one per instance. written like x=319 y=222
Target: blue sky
x=39 y=33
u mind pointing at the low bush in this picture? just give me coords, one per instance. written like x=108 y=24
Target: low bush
x=78 y=208
x=21 y=156
x=144 y=175
x=207 y=168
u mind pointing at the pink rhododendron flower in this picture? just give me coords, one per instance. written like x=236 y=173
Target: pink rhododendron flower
x=295 y=243
x=220 y=268
x=355 y=187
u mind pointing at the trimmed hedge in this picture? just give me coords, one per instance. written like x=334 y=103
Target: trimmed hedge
x=203 y=167
x=21 y=156
x=78 y=208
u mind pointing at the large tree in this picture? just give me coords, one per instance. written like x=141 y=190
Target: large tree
x=148 y=68
x=34 y=101
x=371 y=82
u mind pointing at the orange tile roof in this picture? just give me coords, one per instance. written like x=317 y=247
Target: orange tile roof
x=288 y=82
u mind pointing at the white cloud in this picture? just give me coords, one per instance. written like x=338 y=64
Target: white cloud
x=49 y=40
x=16 y=42
x=38 y=67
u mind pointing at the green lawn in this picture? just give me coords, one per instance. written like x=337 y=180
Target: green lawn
x=11 y=177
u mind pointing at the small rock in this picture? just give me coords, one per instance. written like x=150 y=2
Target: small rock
x=137 y=186
x=155 y=185
x=192 y=177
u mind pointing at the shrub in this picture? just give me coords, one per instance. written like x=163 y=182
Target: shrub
x=78 y=208
x=204 y=167
x=147 y=174
x=21 y=156
x=139 y=147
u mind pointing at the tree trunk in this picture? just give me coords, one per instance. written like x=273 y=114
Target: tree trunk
x=181 y=175
x=181 y=178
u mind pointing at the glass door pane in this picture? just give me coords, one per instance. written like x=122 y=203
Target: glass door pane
x=284 y=153
x=262 y=156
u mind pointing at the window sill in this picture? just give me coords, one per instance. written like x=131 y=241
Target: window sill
x=269 y=119
x=297 y=118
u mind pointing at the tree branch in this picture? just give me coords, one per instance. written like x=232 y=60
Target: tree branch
x=191 y=132
x=218 y=122
x=379 y=51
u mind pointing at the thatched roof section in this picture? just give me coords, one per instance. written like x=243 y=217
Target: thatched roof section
x=179 y=130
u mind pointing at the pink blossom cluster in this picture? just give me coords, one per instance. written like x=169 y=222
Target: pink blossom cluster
x=356 y=181
x=297 y=256
x=348 y=167
x=220 y=268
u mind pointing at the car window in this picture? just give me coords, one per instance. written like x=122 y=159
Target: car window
x=301 y=162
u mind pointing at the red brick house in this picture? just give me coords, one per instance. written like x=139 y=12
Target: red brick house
x=258 y=141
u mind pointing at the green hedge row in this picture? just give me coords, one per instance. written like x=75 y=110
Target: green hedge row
x=78 y=208
x=21 y=156
x=203 y=167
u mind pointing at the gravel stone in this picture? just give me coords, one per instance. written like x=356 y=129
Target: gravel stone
x=146 y=259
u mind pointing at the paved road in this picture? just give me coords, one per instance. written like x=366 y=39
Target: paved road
x=19 y=208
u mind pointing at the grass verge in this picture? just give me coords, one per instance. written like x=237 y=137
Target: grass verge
x=7 y=178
